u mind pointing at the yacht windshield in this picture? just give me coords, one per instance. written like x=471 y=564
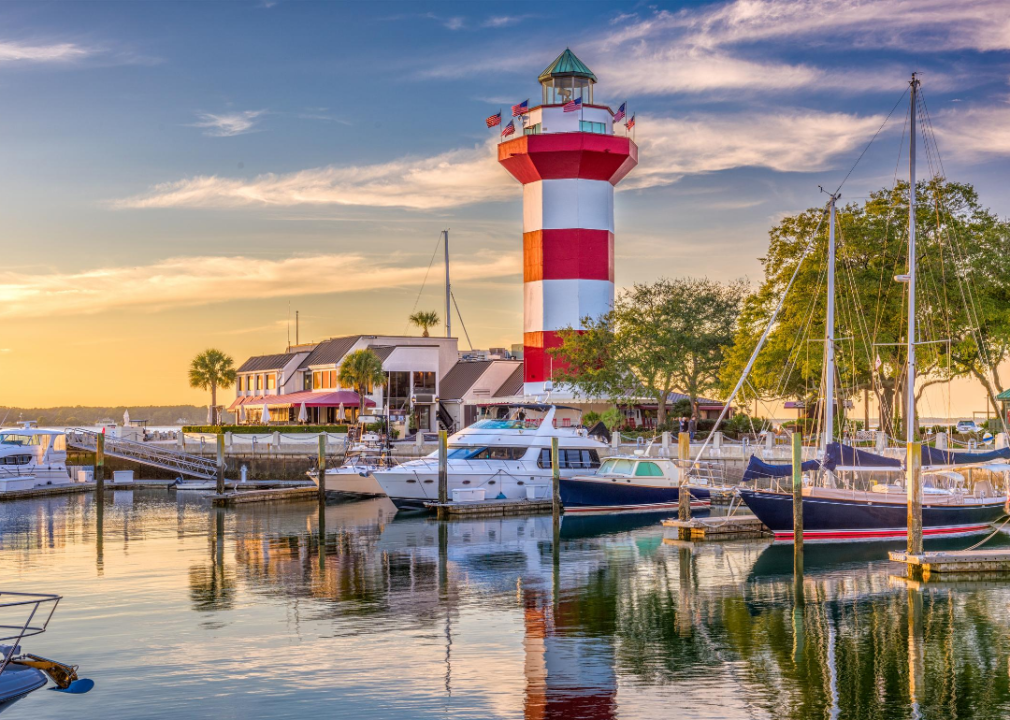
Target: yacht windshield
x=499 y=424
x=616 y=467
x=485 y=453
x=19 y=439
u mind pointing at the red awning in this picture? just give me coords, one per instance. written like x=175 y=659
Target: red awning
x=347 y=398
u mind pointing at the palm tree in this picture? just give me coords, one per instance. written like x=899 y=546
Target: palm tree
x=361 y=370
x=424 y=320
x=210 y=370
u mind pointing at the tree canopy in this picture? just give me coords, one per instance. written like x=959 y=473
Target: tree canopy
x=963 y=287
x=361 y=370
x=424 y=319
x=210 y=370
x=660 y=337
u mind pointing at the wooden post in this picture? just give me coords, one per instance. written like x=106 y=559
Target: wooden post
x=913 y=486
x=684 y=497
x=555 y=479
x=798 y=492
x=443 y=466
x=322 y=468
x=220 y=464
x=100 y=466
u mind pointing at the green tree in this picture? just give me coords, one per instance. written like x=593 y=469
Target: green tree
x=963 y=287
x=659 y=337
x=361 y=370
x=424 y=319
x=210 y=370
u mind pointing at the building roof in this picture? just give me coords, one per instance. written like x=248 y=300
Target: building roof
x=566 y=65
x=330 y=352
x=332 y=398
x=461 y=377
x=383 y=351
x=513 y=384
x=265 y=362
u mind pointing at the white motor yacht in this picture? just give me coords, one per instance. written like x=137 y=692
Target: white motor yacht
x=504 y=458
x=30 y=457
x=355 y=476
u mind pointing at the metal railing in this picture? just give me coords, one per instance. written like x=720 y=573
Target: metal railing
x=145 y=454
x=31 y=604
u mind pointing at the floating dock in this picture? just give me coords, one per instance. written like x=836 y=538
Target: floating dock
x=289 y=494
x=49 y=490
x=491 y=508
x=734 y=527
x=970 y=562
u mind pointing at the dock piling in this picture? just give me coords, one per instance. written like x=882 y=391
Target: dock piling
x=798 y=493
x=555 y=480
x=913 y=485
x=100 y=465
x=220 y=464
x=322 y=468
x=684 y=496
x=443 y=470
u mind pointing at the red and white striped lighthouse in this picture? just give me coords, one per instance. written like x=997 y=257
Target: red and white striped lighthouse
x=568 y=162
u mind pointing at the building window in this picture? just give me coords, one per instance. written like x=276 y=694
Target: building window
x=259 y=382
x=238 y=384
x=333 y=379
x=533 y=129
x=424 y=383
x=399 y=390
x=271 y=381
x=306 y=380
x=593 y=127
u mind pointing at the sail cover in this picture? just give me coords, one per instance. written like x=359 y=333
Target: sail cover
x=846 y=456
x=758 y=469
x=933 y=456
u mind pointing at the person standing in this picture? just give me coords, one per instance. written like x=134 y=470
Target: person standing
x=683 y=423
x=692 y=426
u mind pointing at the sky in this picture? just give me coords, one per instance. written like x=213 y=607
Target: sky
x=178 y=176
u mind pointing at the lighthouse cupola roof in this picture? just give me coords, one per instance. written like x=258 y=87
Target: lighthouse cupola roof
x=567 y=78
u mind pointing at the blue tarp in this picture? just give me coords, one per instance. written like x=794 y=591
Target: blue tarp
x=759 y=470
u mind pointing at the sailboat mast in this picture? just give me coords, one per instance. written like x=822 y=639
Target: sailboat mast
x=829 y=339
x=448 y=289
x=910 y=389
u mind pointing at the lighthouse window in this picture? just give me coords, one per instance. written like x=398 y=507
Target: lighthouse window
x=534 y=129
x=593 y=127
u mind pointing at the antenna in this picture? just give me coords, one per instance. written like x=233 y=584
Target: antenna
x=297 y=342
x=289 y=326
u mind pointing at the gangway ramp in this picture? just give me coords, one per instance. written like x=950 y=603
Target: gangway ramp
x=145 y=454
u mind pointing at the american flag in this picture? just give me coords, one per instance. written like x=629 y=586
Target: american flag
x=508 y=129
x=521 y=108
x=631 y=123
x=494 y=120
x=621 y=112
x=573 y=105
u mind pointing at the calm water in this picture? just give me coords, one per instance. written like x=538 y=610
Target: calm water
x=178 y=610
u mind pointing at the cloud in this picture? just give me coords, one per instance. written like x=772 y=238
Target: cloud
x=497 y=21
x=228 y=125
x=794 y=141
x=194 y=281
x=454 y=23
x=16 y=52
x=451 y=179
x=974 y=133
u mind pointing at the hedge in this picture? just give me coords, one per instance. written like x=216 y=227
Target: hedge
x=264 y=429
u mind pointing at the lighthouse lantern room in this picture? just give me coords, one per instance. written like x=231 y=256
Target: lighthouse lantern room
x=568 y=160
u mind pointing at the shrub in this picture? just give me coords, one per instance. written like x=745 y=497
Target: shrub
x=591 y=418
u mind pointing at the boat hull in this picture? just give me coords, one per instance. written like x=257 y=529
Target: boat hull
x=358 y=482
x=586 y=495
x=836 y=520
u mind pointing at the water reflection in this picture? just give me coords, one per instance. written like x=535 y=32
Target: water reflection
x=505 y=617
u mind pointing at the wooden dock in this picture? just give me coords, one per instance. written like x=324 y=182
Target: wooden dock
x=48 y=491
x=491 y=508
x=970 y=562
x=735 y=527
x=290 y=494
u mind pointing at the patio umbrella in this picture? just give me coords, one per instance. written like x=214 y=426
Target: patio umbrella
x=341 y=415
x=266 y=414
x=126 y=418
x=241 y=413
x=303 y=414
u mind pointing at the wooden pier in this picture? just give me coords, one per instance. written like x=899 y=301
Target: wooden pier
x=735 y=527
x=491 y=508
x=49 y=490
x=289 y=494
x=968 y=562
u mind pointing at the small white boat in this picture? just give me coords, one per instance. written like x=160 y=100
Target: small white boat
x=356 y=476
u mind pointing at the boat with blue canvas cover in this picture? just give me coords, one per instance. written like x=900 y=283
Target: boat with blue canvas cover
x=631 y=483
